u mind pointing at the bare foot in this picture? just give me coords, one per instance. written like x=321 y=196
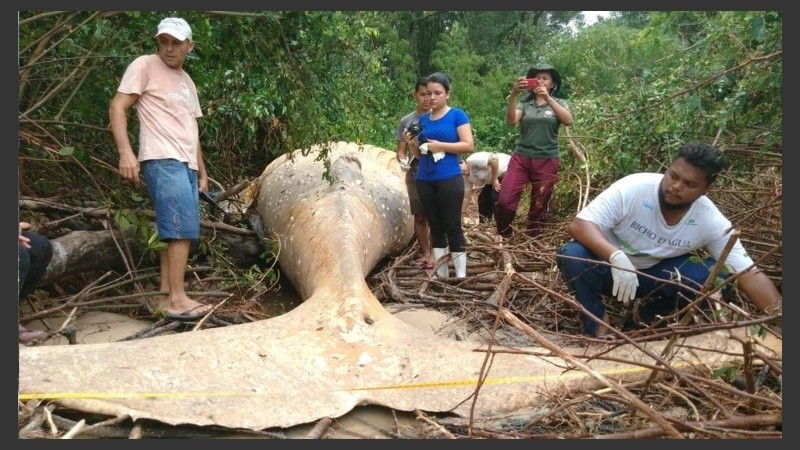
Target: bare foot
x=424 y=261
x=182 y=307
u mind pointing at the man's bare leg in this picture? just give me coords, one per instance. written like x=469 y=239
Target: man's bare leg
x=162 y=257
x=423 y=237
x=173 y=270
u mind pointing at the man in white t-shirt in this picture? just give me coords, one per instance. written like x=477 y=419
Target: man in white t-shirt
x=647 y=226
x=170 y=159
x=483 y=170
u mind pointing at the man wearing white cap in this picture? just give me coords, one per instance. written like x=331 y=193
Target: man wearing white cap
x=169 y=159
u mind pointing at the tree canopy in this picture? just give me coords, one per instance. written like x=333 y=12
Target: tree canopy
x=639 y=84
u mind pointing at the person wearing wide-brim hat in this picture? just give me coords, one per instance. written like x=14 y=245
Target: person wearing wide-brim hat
x=536 y=156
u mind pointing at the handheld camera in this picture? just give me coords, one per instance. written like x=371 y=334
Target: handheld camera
x=415 y=129
x=533 y=83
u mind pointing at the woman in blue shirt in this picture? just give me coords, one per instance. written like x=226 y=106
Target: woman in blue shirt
x=446 y=132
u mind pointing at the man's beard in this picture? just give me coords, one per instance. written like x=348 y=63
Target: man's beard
x=670 y=206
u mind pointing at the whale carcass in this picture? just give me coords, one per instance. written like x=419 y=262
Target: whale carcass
x=338 y=349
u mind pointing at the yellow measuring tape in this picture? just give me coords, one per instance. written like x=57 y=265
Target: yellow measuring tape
x=424 y=385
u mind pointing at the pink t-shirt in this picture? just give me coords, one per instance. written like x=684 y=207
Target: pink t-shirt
x=168 y=109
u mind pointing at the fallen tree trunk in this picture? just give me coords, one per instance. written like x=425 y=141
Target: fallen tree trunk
x=100 y=251
x=83 y=251
x=92 y=251
x=46 y=206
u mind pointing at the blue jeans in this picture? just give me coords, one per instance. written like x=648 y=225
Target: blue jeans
x=172 y=186
x=589 y=281
x=33 y=262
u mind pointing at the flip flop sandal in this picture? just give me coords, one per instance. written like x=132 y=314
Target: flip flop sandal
x=191 y=313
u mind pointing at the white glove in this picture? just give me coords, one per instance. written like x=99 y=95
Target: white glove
x=625 y=282
x=423 y=148
x=437 y=156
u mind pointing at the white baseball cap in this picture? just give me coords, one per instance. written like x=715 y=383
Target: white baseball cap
x=176 y=27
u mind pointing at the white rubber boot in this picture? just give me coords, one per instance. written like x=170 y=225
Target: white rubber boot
x=444 y=270
x=460 y=264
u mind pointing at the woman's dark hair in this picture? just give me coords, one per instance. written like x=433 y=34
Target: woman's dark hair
x=441 y=78
x=705 y=157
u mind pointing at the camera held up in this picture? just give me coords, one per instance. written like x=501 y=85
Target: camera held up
x=414 y=129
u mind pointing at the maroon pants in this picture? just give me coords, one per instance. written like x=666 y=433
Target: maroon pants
x=542 y=174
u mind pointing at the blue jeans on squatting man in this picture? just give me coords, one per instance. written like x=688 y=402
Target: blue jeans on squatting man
x=589 y=281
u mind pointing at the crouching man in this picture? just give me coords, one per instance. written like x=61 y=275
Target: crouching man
x=638 y=237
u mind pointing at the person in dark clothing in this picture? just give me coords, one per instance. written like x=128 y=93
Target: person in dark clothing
x=35 y=252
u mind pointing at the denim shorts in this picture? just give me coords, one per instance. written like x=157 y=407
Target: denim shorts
x=172 y=186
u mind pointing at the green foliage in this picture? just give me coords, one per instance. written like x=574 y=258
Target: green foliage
x=758 y=331
x=155 y=244
x=602 y=59
x=728 y=372
x=128 y=221
x=631 y=19
x=254 y=277
x=638 y=84
x=683 y=77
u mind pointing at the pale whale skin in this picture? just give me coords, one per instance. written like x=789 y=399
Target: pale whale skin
x=341 y=229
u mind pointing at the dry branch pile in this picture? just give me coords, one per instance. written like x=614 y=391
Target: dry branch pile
x=520 y=277
x=512 y=288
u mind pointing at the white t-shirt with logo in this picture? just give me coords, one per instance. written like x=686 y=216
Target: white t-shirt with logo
x=480 y=173
x=628 y=213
